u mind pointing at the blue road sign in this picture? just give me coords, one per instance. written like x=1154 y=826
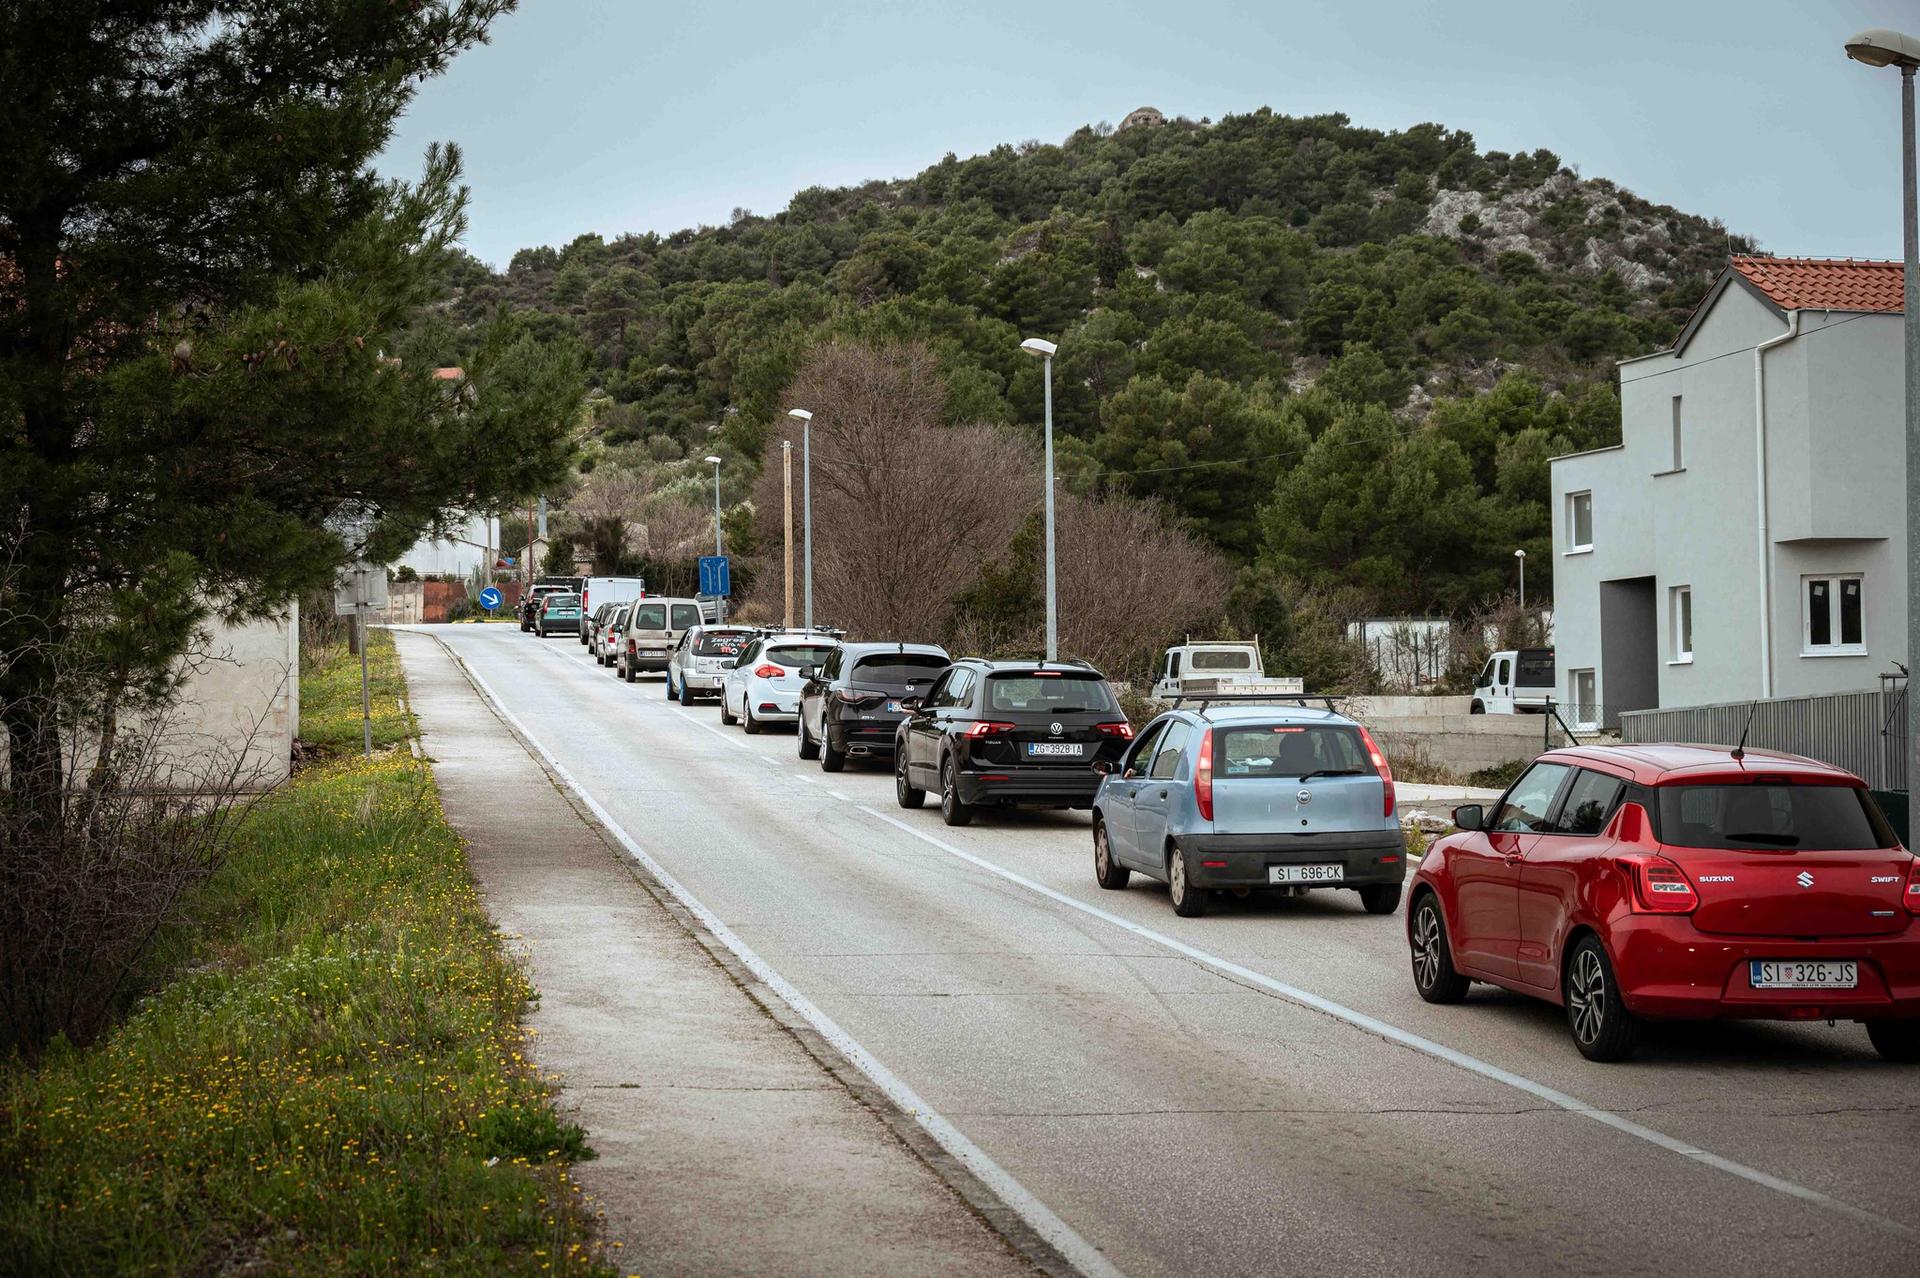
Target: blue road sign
x=716 y=577
x=490 y=598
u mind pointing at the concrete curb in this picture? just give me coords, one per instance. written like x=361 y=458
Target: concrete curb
x=1019 y=1237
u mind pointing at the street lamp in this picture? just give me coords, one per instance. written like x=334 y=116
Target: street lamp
x=1521 y=555
x=806 y=512
x=1043 y=351
x=1882 y=48
x=719 y=547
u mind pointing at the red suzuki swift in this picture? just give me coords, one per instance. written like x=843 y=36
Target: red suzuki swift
x=1677 y=882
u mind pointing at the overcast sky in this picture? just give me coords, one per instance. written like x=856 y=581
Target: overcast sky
x=631 y=115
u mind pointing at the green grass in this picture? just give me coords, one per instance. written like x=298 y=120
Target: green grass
x=330 y=698
x=335 y=1083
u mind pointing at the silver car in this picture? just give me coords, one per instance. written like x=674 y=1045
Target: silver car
x=699 y=662
x=1250 y=798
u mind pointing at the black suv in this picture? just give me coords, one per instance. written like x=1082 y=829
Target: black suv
x=1009 y=732
x=850 y=706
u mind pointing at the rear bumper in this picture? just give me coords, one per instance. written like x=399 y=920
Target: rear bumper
x=699 y=682
x=1666 y=967
x=771 y=705
x=649 y=660
x=862 y=738
x=558 y=627
x=1246 y=860
x=1072 y=787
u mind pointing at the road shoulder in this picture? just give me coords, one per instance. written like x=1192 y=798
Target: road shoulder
x=728 y=1141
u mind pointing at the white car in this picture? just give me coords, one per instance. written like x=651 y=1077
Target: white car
x=763 y=685
x=609 y=621
x=700 y=661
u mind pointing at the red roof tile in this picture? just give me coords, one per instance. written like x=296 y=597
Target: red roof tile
x=452 y=374
x=1825 y=283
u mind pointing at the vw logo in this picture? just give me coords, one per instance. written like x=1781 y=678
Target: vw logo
x=1056 y=729
x=1305 y=796
x=1803 y=879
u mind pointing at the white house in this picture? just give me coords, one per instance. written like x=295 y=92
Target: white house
x=1747 y=536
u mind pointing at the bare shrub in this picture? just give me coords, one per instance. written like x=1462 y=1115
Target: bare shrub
x=906 y=509
x=1130 y=582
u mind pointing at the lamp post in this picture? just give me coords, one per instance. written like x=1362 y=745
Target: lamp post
x=1882 y=48
x=1521 y=555
x=806 y=513
x=719 y=546
x=1043 y=351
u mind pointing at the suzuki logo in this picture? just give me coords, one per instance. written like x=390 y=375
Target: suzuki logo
x=1305 y=796
x=1803 y=879
x=1056 y=729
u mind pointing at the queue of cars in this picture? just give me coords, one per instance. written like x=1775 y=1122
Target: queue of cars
x=1623 y=883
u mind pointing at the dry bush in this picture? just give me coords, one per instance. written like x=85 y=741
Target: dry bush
x=1130 y=582
x=906 y=510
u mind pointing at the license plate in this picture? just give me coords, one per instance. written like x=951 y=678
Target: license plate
x=1818 y=974
x=894 y=707
x=1306 y=873
x=1054 y=749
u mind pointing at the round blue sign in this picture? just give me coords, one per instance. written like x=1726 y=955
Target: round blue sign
x=490 y=598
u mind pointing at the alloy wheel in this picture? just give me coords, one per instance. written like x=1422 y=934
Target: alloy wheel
x=1426 y=946
x=1587 y=996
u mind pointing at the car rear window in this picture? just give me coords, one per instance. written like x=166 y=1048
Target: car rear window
x=1288 y=750
x=649 y=617
x=1048 y=693
x=721 y=643
x=1535 y=668
x=562 y=601
x=685 y=616
x=1765 y=817
x=796 y=655
x=1204 y=660
x=898 y=667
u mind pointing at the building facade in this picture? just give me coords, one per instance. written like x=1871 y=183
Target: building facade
x=1747 y=536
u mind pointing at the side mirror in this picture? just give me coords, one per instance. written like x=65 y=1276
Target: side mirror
x=1103 y=766
x=1469 y=816
x=809 y=672
x=911 y=704
x=1484 y=681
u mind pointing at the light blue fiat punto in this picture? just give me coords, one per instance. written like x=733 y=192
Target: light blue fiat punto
x=1251 y=798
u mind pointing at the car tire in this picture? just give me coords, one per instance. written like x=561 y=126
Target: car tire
x=1380 y=898
x=809 y=750
x=1107 y=872
x=905 y=793
x=831 y=760
x=726 y=715
x=1189 y=902
x=686 y=693
x=1896 y=1041
x=1602 y=1027
x=750 y=725
x=1477 y=708
x=953 y=810
x=624 y=672
x=1434 y=977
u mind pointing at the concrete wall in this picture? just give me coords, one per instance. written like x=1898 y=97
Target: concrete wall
x=1462 y=743
x=460 y=558
x=1835 y=466
x=1398 y=707
x=242 y=702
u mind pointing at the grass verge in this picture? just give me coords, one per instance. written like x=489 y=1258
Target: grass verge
x=330 y=698
x=334 y=1083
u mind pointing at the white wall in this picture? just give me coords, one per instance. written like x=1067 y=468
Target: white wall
x=242 y=702
x=455 y=558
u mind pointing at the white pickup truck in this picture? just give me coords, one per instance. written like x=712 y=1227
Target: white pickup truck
x=1220 y=669
x=1515 y=681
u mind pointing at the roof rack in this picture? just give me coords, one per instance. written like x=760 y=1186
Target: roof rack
x=1325 y=701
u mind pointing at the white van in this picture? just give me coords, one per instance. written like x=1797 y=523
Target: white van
x=654 y=626
x=595 y=591
x=1517 y=681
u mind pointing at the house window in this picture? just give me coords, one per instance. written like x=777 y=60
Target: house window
x=1680 y=619
x=1834 y=620
x=1579 y=521
x=1679 y=448
x=1586 y=707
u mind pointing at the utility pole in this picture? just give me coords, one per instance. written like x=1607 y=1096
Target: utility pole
x=786 y=462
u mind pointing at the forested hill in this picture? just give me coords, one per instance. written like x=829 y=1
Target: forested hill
x=1343 y=355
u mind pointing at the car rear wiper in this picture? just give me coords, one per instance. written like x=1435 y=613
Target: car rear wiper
x=1332 y=772
x=1760 y=836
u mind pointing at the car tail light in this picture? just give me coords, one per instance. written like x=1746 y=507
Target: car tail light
x=1203 y=778
x=985 y=728
x=768 y=672
x=1380 y=766
x=1913 y=886
x=1661 y=887
x=1122 y=730
x=853 y=696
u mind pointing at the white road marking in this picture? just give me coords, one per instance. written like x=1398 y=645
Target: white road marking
x=1418 y=1043
x=1078 y=1252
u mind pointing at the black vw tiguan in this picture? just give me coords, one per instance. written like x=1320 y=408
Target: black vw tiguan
x=850 y=706
x=1006 y=733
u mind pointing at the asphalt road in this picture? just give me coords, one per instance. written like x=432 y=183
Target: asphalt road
x=1255 y=1092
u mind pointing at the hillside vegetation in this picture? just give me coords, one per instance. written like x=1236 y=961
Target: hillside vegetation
x=1341 y=356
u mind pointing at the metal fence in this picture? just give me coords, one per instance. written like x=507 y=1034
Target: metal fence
x=1863 y=732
